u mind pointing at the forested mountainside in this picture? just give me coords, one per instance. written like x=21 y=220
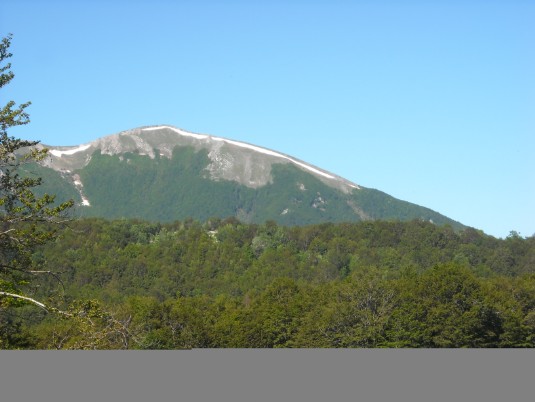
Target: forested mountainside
x=165 y=174
x=223 y=283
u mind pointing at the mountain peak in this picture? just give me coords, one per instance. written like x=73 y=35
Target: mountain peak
x=245 y=163
x=166 y=173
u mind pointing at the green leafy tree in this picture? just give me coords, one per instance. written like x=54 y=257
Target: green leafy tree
x=26 y=220
x=443 y=307
x=352 y=313
x=274 y=318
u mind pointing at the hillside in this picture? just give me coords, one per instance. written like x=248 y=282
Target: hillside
x=164 y=174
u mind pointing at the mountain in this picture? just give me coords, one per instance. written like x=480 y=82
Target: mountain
x=164 y=173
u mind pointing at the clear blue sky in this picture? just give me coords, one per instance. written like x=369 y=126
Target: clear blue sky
x=431 y=102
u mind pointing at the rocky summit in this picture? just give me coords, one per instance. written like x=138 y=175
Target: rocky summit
x=165 y=173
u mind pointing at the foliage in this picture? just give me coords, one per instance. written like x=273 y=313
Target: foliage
x=26 y=220
x=228 y=284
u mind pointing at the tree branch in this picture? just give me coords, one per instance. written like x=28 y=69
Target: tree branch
x=25 y=298
x=37 y=303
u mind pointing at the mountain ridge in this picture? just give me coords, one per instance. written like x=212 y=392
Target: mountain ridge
x=145 y=145
x=166 y=173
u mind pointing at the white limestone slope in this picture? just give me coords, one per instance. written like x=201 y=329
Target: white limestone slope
x=243 y=145
x=233 y=160
x=257 y=149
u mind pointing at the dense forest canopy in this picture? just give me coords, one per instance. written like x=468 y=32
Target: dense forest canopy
x=223 y=283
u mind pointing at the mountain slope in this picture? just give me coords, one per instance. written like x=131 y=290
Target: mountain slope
x=164 y=173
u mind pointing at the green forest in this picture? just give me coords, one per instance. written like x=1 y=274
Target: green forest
x=92 y=283
x=225 y=284
x=178 y=185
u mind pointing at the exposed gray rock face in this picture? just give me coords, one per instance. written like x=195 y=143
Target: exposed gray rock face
x=228 y=178
x=244 y=163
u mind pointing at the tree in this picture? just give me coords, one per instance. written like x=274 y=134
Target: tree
x=443 y=307
x=26 y=220
x=352 y=313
